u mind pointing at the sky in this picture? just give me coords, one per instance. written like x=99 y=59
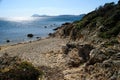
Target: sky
x=25 y=8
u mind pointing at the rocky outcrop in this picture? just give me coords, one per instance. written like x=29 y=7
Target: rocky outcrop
x=63 y=31
x=76 y=54
x=96 y=56
x=100 y=65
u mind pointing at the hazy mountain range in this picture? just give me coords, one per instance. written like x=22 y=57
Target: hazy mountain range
x=37 y=15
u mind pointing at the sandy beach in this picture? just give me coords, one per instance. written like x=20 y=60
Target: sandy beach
x=40 y=53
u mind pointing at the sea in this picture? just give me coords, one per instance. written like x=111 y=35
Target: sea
x=16 y=29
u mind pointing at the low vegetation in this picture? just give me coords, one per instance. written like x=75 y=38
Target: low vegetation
x=12 y=68
x=108 y=17
x=104 y=20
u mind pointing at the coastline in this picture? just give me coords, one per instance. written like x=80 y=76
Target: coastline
x=2 y=46
x=34 y=51
x=46 y=54
x=6 y=45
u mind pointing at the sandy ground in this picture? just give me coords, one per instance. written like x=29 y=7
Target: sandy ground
x=41 y=53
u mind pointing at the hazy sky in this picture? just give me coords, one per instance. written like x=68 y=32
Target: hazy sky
x=21 y=8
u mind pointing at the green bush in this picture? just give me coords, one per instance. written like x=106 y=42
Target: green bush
x=110 y=32
x=21 y=71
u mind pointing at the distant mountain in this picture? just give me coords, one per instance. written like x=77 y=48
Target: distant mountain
x=62 y=17
x=71 y=15
x=65 y=16
x=37 y=15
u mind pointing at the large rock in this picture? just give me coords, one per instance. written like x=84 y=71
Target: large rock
x=96 y=56
x=30 y=35
x=73 y=59
x=76 y=54
x=84 y=51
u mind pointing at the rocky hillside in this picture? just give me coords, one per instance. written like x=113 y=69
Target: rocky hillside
x=104 y=22
x=93 y=51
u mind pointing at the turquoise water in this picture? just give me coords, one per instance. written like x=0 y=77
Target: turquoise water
x=16 y=29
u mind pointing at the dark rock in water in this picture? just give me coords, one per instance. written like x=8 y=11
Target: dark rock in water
x=66 y=23
x=50 y=34
x=45 y=26
x=30 y=35
x=7 y=41
x=38 y=37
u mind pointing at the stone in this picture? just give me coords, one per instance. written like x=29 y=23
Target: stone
x=7 y=41
x=76 y=54
x=30 y=35
x=73 y=59
x=84 y=51
x=116 y=56
x=96 y=56
x=65 y=49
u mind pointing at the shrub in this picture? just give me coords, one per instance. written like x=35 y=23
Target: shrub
x=18 y=70
x=110 y=32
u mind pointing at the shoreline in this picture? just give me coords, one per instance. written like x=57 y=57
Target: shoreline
x=23 y=42
x=39 y=53
x=43 y=53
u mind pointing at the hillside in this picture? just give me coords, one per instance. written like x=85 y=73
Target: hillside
x=106 y=19
x=102 y=23
x=93 y=51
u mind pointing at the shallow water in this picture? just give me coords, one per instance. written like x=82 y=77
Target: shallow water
x=16 y=29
